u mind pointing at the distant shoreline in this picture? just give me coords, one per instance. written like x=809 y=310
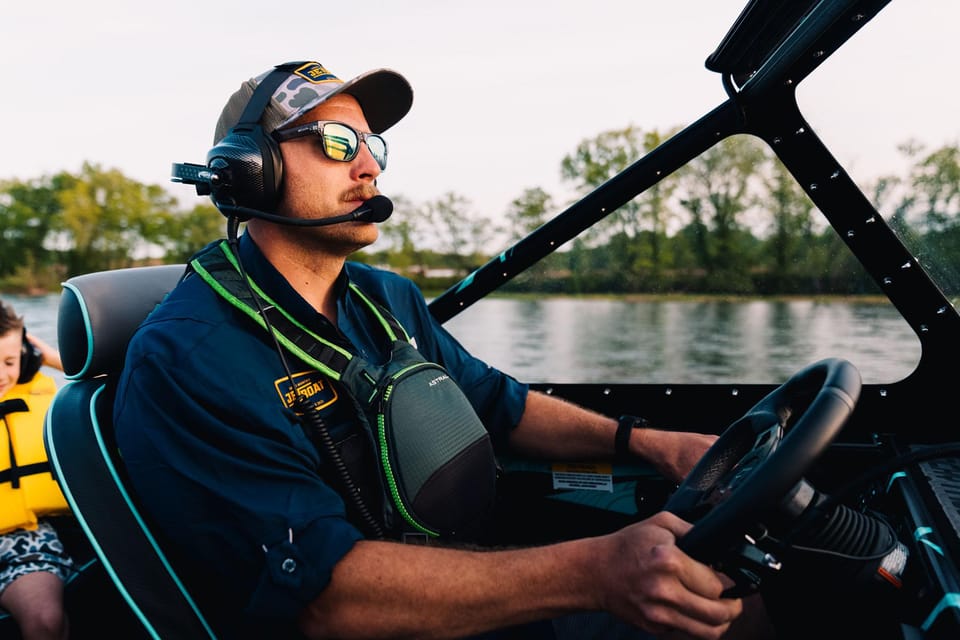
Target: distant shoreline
x=628 y=297
x=686 y=297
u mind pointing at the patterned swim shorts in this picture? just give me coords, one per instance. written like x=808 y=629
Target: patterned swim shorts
x=23 y=552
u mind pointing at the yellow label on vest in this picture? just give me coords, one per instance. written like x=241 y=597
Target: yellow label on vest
x=38 y=493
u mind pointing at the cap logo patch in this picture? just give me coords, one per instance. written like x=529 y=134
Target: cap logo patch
x=316 y=73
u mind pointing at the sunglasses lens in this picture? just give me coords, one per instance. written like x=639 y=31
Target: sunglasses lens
x=378 y=149
x=340 y=142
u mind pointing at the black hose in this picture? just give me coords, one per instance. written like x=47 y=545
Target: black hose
x=310 y=419
x=843 y=532
x=313 y=421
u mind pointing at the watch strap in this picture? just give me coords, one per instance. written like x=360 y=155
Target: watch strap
x=625 y=426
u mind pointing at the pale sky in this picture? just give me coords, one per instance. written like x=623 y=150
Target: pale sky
x=502 y=90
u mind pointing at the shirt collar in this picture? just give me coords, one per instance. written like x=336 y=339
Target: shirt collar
x=276 y=286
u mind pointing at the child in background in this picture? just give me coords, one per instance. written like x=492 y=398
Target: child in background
x=33 y=563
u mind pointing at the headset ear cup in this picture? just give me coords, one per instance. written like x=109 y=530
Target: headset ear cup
x=249 y=167
x=30 y=360
x=272 y=176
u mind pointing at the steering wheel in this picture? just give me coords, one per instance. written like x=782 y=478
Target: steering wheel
x=756 y=462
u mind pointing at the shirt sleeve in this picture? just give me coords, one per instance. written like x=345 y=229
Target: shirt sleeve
x=224 y=469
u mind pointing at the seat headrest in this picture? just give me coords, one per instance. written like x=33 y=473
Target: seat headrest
x=99 y=312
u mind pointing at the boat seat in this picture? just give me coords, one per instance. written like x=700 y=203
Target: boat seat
x=97 y=316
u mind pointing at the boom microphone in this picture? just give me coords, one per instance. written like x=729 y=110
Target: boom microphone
x=376 y=209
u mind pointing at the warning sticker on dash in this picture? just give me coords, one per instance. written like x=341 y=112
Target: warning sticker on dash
x=583 y=475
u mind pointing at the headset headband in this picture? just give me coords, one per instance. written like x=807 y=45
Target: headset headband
x=261 y=96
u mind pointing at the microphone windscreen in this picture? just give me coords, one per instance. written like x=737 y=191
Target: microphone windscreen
x=378 y=209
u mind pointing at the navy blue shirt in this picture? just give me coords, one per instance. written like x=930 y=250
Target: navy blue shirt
x=221 y=463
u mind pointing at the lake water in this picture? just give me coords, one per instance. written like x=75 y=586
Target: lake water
x=557 y=339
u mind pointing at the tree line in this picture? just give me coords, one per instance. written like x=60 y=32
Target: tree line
x=731 y=221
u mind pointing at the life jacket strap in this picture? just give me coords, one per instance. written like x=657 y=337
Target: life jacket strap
x=15 y=472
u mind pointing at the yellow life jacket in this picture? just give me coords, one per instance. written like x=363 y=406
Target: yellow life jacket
x=27 y=490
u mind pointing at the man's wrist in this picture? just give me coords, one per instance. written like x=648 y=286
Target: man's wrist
x=625 y=426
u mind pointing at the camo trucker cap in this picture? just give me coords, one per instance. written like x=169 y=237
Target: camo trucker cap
x=384 y=95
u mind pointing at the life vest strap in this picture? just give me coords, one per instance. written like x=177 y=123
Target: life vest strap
x=15 y=472
x=14 y=405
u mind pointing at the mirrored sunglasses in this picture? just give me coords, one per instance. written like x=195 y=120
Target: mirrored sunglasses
x=341 y=142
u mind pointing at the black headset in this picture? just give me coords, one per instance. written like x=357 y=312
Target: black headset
x=30 y=360
x=247 y=161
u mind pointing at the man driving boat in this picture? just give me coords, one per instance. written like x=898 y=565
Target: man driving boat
x=294 y=504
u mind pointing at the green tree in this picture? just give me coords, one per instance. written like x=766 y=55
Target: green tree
x=789 y=244
x=595 y=161
x=638 y=228
x=719 y=190
x=454 y=229
x=529 y=211
x=525 y=214
x=935 y=182
x=180 y=234
x=397 y=245
x=107 y=219
x=30 y=213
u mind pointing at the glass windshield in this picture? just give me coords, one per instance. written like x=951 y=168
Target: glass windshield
x=899 y=133
x=726 y=272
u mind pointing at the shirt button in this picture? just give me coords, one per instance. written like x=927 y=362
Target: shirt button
x=289 y=565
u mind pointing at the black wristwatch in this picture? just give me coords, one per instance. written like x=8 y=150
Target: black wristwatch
x=625 y=425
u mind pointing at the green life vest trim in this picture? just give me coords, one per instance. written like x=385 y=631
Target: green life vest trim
x=436 y=460
x=226 y=280
x=382 y=439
